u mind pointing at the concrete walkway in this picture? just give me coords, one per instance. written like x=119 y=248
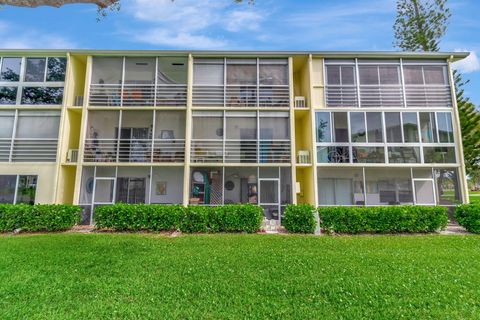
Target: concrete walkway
x=454 y=228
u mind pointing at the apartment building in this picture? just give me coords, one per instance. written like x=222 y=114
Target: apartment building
x=94 y=127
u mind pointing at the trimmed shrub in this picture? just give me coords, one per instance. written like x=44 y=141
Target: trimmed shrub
x=40 y=217
x=135 y=217
x=468 y=216
x=388 y=219
x=299 y=218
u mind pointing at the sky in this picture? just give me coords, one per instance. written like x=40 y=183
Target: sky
x=222 y=24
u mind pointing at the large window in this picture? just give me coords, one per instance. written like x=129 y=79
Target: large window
x=18 y=189
x=40 y=83
x=410 y=137
x=388 y=186
x=340 y=186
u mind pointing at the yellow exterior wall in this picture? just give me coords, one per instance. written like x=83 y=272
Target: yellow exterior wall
x=46 y=182
x=318 y=93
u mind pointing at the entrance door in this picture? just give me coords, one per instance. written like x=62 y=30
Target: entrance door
x=103 y=193
x=131 y=190
x=424 y=191
x=269 y=200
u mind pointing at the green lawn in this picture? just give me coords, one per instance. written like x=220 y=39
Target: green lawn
x=474 y=196
x=95 y=276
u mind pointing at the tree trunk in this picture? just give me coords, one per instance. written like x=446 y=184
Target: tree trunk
x=55 y=3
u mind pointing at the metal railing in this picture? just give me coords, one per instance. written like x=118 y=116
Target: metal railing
x=381 y=96
x=134 y=150
x=248 y=96
x=341 y=96
x=5 y=145
x=428 y=96
x=135 y=95
x=241 y=151
x=206 y=150
x=42 y=150
x=274 y=151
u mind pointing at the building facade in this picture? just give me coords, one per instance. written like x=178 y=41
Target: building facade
x=209 y=128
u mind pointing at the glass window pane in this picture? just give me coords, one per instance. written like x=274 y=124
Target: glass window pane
x=27 y=188
x=340 y=186
x=207 y=128
x=240 y=185
x=403 y=155
x=340 y=125
x=42 y=95
x=445 y=130
x=139 y=70
x=8 y=95
x=333 y=154
x=374 y=127
x=10 y=69
x=428 y=127
x=439 y=154
x=389 y=75
x=413 y=74
x=448 y=188
x=333 y=75
x=172 y=70
x=56 y=69
x=368 y=75
x=322 y=122
x=393 y=127
x=106 y=70
x=208 y=74
x=6 y=124
x=348 y=75
x=41 y=124
x=390 y=186
x=273 y=74
x=434 y=75
x=368 y=154
x=242 y=73
x=424 y=192
x=357 y=123
x=35 y=71
x=7 y=188
x=410 y=127
x=274 y=128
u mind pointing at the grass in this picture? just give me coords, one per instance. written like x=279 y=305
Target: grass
x=119 y=276
x=474 y=196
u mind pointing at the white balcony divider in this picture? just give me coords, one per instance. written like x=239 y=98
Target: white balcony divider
x=206 y=150
x=428 y=96
x=241 y=151
x=389 y=96
x=171 y=150
x=341 y=96
x=5 y=145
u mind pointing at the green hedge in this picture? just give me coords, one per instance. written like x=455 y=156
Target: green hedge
x=300 y=218
x=388 y=219
x=134 y=217
x=468 y=215
x=40 y=217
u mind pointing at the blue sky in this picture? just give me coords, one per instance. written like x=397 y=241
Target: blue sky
x=220 y=24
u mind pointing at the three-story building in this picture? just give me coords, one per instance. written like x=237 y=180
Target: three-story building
x=94 y=127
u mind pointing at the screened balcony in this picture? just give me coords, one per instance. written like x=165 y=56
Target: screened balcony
x=240 y=137
x=378 y=83
x=241 y=83
x=140 y=136
x=131 y=82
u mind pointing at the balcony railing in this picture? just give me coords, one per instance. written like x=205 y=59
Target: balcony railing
x=381 y=96
x=241 y=96
x=135 y=95
x=428 y=96
x=5 y=145
x=388 y=96
x=241 y=151
x=341 y=96
x=42 y=150
x=134 y=150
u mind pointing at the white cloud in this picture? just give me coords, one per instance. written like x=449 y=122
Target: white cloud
x=469 y=64
x=183 y=39
x=190 y=23
x=13 y=38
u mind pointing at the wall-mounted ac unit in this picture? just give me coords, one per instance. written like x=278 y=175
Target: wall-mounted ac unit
x=300 y=103
x=72 y=155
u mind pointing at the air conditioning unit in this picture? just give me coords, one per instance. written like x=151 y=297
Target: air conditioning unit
x=303 y=157
x=72 y=155
x=300 y=103
x=78 y=101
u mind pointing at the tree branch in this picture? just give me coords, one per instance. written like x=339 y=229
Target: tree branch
x=55 y=3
